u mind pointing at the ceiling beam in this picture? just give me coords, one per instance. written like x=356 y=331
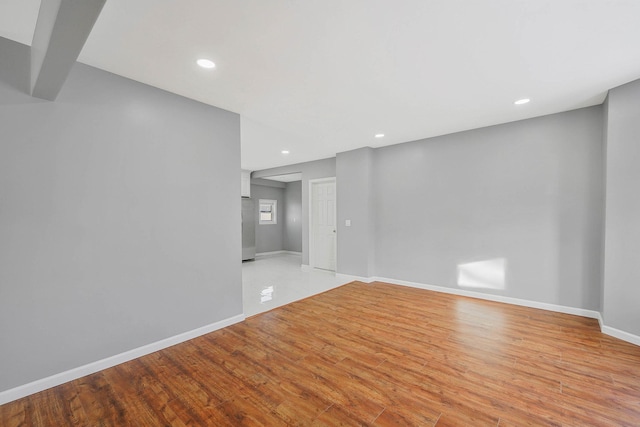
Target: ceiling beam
x=62 y=28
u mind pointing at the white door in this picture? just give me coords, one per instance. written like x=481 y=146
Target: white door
x=323 y=224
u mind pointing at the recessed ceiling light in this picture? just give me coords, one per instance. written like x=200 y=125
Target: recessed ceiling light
x=285 y=151
x=379 y=135
x=206 y=63
x=522 y=101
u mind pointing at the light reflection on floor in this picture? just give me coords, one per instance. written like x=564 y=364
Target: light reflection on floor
x=274 y=280
x=479 y=314
x=477 y=323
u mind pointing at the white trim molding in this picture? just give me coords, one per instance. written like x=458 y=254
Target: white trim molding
x=600 y=321
x=593 y=314
x=617 y=333
x=498 y=298
x=348 y=278
x=278 y=253
x=93 y=367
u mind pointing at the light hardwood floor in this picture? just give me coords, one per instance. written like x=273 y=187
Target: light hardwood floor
x=365 y=354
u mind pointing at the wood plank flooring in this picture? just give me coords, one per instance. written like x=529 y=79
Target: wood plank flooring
x=365 y=354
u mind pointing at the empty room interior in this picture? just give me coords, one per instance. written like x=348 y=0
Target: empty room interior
x=243 y=212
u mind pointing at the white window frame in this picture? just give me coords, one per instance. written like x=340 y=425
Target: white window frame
x=273 y=204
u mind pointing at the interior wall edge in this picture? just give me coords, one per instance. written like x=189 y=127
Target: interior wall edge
x=99 y=365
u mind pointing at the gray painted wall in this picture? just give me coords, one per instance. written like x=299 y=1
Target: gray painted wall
x=269 y=237
x=14 y=74
x=293 y=216
x=528 y=192
x=622 y=241
x=287 y=233
x=355 y=202
x=112 y=234
x=325 y=168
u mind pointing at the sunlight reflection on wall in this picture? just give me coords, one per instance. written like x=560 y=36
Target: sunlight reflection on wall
x=489 y=274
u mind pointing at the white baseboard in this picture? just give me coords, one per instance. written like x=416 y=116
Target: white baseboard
x=498 y=298
x=600 y=321
x=93 y=367
x=617 y=333
x=278 y=253
x=269 y=253
x=593 y=314
x=348 y=278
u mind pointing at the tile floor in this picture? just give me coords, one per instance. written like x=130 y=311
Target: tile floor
x=275 y=280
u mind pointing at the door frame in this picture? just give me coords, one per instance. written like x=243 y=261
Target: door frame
x=312 y=254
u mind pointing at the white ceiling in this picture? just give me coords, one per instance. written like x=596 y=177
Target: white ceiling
x=319 y=77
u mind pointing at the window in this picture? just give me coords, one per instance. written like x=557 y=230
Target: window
x=268 y=211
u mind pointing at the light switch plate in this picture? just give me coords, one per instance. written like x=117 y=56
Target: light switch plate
x=347 y=223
